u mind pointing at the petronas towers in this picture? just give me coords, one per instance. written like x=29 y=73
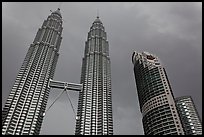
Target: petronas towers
x=24 y=109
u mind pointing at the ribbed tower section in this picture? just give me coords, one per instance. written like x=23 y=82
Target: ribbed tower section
x=94 y=116
x=156 y=99
x=24 y=108
x=188 y=113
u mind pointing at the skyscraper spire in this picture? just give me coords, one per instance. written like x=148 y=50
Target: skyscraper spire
x=97 y=13
x=60 y=5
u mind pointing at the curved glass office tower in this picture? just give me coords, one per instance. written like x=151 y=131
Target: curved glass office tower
x=24 y=108
x=94 y=115
x=160 y=116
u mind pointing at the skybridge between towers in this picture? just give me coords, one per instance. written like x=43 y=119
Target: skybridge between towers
x=65 y=86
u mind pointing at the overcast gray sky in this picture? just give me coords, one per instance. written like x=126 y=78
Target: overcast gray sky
x=172 y=31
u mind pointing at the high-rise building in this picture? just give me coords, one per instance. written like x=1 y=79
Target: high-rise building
x=94 y=115
x=160 y=116
x=189 y=116
x=24 y=108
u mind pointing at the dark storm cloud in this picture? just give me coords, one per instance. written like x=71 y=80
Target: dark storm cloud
x=172 y=31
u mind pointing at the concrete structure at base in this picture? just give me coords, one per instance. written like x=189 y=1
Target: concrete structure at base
x=160 y=116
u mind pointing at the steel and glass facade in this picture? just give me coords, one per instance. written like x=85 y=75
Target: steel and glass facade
x=160 y=116
x=24 y=108
x=94 y=115
x=189 y=116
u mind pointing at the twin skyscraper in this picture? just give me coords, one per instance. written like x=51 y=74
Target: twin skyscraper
x=95 y=101
x=24 y=109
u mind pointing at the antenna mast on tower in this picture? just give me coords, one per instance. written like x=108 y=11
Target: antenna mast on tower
x=97 y=13
x=60 y=5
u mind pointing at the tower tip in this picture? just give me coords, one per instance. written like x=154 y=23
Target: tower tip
x=59 y=6
x=97 y=14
